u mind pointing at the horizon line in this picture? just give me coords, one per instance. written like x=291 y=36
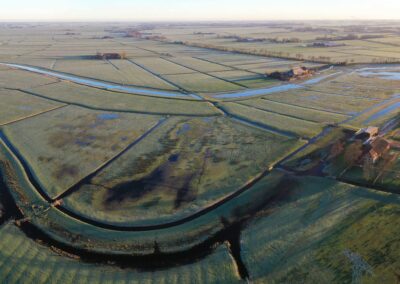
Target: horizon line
x=188 y=21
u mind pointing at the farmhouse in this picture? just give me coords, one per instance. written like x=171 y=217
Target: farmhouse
x=107 y=56
x=325 y=44
x=293 y=74
x=377 y=148
x=367 y=133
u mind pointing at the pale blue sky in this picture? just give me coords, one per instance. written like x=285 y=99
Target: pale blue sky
x=162 y=10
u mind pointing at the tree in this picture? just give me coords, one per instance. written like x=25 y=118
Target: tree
x=336 y=149
x=123 y=54
x=352 y=154
x=387 y=162
x=369 y=170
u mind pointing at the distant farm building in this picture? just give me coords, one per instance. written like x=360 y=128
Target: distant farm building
x=295 y=73
x=109 y=55
x=325 y=44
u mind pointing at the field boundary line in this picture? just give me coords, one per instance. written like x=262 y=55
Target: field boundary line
x=34 y=115
x=313 y=108
x=279 y=113
x=114 y=110
x=205 y=73
x=159 y=76
x=341 y=95
x=77 y=185
x=227 y=66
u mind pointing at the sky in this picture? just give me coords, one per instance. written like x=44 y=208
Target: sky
x=194 y=10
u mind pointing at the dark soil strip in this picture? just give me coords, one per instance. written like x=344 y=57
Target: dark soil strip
x=88 y=178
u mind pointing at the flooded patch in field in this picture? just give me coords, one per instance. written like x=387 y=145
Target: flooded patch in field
x=85 y=141
x=27 y=108
x=319 y=79
x=185 y=128
x=208 y=119
x=108 y=116
x=388 y=75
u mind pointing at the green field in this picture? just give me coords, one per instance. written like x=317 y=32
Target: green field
x=295 y=112
x=295 y=126
x=65 y=145
x=93 y=98
x=161 y=179
x=23 y=259
x=345 y=105
x=15 y=105
x=304 y=237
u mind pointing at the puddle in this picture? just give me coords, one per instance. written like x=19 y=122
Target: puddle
x=82 y=143
x=319 y=79
x=108 y=116
x=174 y=158
x=24 y=107
x=185 y=128
x=388 y=75
x=208 y=119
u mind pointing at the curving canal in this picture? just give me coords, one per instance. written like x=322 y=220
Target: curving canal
x=168 y=94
